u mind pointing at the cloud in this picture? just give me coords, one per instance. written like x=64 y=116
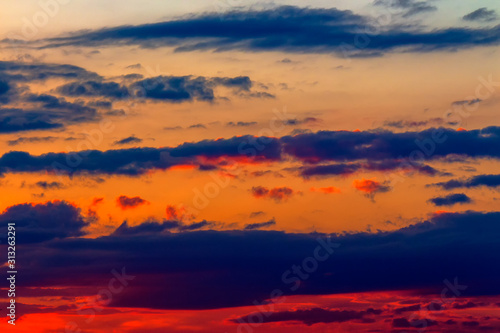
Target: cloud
x=147 y=227
x=172 y=128
x=96 y=201
x=326 y=190
x=481 y=15
x=310 y=316
x=43 y=113
x=17 y=120
x=185 y=88
x=129 y=140
x=255 y=226
x=125 y=202
x=174 y=213
x=286 y=29
x=450 y=200
x=241 y=124
x=93 y=89
x=344 y=169
x=473 y=182
x=296 y=122
x=36 y=139
x=466 y=305
x=400 y=124
x=343 y=146
x=28 y=72
x=340 y=169
x=156 y=227
x=197 y=126
x=134 y=66
x=409 y=7
x=174 y=89
x=370 y=186
x=471 y=323
x=22 y=110
x=37 y=223
x=257 y=214
x=467 y=102
x=374 y=151
x=405 y=323
x=50 y=185
x=137 y=161
x=202 y=265
x=196 y=226
x=278 y=194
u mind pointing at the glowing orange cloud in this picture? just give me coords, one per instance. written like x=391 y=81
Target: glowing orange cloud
x=183 y=167
x=125 y=202
x=440 y=212
x=326 y=190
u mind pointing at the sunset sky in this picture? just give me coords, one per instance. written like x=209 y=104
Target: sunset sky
x=243 y=166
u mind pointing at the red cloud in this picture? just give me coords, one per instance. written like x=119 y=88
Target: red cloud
x=369 y=186
x=277 y=193
x=172 y=213
x=326 y=190
x=178 y=213
x=93 y=206
x=125 y=202
x=96 y=201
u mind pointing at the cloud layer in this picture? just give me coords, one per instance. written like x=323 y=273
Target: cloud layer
x=213 y=269
x=288 y=29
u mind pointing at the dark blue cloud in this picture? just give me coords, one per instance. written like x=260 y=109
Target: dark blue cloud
x=213 y=269
x=128 y=140
x=288 y=29
x=49 y=185
x=39 y=111
x=35 y=139
x=27 y=72
x=241 y=123
x=482 y=15
x=261 y=225
x=94 y=88
x=174 y=89
x=137 y=161
x=43 y=222
x=46 y=112
x=17 y=120
x=476 y=181
x=450 y=200
x=4 y=90
x=374 y=151
x=187 y=88
x=342 y=146
x=408 y=7
x=330 y=170
x=343 y=169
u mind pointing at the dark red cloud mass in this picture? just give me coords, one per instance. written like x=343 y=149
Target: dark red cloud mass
x=125 y=202
x=278 y=194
